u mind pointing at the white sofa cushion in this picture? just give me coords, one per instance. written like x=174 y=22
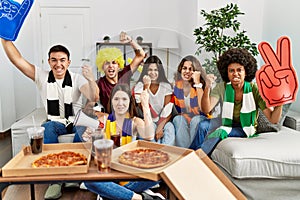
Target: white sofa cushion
x=270 y=155
x=68 y=138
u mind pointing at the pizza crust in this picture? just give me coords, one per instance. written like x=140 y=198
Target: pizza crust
x=144 y=158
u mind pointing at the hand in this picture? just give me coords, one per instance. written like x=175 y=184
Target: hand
x=196 y=77
x=87 y=73
x=146 y=81
x=277 y=80
x=124 y=38
x=210 y=79
x=159 y=134
x=12 y=16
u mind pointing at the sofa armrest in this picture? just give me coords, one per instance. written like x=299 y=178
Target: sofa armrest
x=292 y=120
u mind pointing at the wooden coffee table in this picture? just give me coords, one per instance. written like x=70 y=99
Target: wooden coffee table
x=92 y=175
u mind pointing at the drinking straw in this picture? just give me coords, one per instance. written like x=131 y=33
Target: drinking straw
x=104 y=121
x=34 y=125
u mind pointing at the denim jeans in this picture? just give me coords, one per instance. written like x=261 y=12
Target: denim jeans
x=54 y=129
x=205 y=127
x=208 y=126
x=169 y=134
x=185 y=132
x=115 y=191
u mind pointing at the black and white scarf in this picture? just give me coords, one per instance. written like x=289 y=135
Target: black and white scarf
x=53 y=96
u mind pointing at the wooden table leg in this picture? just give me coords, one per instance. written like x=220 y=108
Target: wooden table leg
x=32 y=192
x=2 y=187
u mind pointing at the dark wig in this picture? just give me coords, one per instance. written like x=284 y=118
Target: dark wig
x=237 y=55
x=125 y=88
x=161 y=72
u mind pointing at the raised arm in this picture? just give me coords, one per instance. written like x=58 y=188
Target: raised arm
x=16 y=58
x=273 y=114
x=208 y=102
x=89 y=90
x=197 y=84
x=145 y=127
x=138 y=50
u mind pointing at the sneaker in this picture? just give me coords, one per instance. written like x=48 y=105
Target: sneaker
x=155 y=186
x=53 y=191
x=82 y=186
x=147 y=196
x=99 y=198
x=151 y=193
x=72 y=185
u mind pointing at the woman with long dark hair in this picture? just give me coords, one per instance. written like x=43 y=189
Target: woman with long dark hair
x=122 y=116
x=187 y=96
x=155 y=82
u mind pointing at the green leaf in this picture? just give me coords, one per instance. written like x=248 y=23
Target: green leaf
x=211 y=38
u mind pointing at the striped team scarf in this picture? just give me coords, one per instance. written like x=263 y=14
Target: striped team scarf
x=178 y=98
x=53 y=98
x=111 y=127
x=247 y=115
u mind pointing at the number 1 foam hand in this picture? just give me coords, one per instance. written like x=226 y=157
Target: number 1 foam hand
x=277 y=79
x=12 y=16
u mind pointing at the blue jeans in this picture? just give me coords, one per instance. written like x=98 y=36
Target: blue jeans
x=208 y=144
x=54 y=129
x=115 y=191
x=205 y=127
x=185 y=132
x=169 y=134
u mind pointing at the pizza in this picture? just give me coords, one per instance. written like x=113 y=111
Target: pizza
x=65 y=158
x=145 y=158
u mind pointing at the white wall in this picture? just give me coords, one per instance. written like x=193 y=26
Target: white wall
x=280 y=18
x=18 y=93
x=263 y=20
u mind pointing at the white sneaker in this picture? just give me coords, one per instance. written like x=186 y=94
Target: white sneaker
x=82 y=186
x=99 y=198
x=155 y=186
x=151 y=193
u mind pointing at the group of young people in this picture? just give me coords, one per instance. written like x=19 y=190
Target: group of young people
x=177 y=113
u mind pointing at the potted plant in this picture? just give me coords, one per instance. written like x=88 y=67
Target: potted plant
x=139 y=39
x=106 y=39
x=220 y=32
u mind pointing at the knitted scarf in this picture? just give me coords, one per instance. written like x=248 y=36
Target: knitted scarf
x=178 y=98
x=111 y=128
x=247 y=114
x=53 y=96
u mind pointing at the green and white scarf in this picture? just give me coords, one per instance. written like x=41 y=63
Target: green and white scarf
x=247 y=114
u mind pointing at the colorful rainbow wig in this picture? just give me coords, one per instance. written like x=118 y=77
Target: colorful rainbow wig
x=109 y=55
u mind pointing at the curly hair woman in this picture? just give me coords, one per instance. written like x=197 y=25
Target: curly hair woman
x=240 y=100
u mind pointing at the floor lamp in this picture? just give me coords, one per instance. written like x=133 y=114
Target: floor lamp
x=168 y=40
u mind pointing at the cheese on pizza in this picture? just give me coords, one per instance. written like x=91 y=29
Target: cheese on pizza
x=144 y=158
x=65 y=158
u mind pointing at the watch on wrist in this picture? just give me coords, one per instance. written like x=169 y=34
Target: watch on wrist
x=199 y=85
